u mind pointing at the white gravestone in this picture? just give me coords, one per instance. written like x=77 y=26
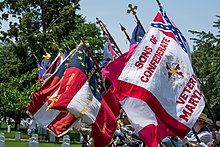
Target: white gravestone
x=52 y=137
x=33 y=141
x=35 y=136
x=66 y=138
x=18 y=136
x=2 y=140
x=66 y=141
x=65 y=144
x=9 y=129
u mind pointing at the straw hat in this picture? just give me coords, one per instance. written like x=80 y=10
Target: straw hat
x=47 y=56
x=209 y=121
x=202 y=117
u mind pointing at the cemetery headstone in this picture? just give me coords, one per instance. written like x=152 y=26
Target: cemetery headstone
x=33 y=141
x=2 y=140
x=18 y=136
x=52 y=137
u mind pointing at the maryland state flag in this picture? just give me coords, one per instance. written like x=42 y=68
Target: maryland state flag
x=81 y=93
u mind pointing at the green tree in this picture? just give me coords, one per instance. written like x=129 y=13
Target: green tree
x=206 y=63
x=16 y=94
x=48 y=24
x=39 y=26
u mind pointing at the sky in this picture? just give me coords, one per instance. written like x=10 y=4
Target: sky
x=186 y=14
x=197 y=15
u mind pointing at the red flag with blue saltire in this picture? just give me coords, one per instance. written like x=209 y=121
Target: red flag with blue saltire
x=161 y=92
x=56 y=121
x=81 y=93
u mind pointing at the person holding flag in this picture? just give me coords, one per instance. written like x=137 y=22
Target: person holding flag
x=46 y=61
x=54 y=65
x=202 y=131
x=43 y=66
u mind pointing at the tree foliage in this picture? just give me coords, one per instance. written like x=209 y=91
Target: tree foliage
x=37 y=27
x=206 y=63
x=44 y=25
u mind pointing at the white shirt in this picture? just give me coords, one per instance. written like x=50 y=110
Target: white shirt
x=204 y=136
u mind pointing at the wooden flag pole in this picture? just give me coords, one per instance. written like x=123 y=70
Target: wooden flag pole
x=90 y=53
x=48 y=29
x=35 y=57
x=172 y=142
x=57 y=47
x=67 y=48
x=208 y=107
x=197 y=138
x=99 y=23
x=123 y=29
x=109 y=35
x=210 y=113
x=159 y=4
x=74 y=41
x=132 y=9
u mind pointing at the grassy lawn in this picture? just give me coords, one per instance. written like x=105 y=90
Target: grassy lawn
x=13 y=132
x=13 y=143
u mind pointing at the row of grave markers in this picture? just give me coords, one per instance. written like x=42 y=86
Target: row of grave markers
x=33 y=141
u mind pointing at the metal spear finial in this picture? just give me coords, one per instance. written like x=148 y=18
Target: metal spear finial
x=123 y=29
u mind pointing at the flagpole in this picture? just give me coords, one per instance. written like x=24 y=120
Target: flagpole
x=208 y=107
x=103 y=31
x=35 y=57
x=123 y=29
x=74 y=41
x=99 y=23
x=210 y=113
x=132 y=9
x=67 y=48
x=106 y=30
x=47 y=29
x=159 y=4
x=90 y=53
x=57 y=47
x=197 y=138
x=172 y=142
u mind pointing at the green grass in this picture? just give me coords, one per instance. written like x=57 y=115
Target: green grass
x=13 y=143
x=13 y=132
